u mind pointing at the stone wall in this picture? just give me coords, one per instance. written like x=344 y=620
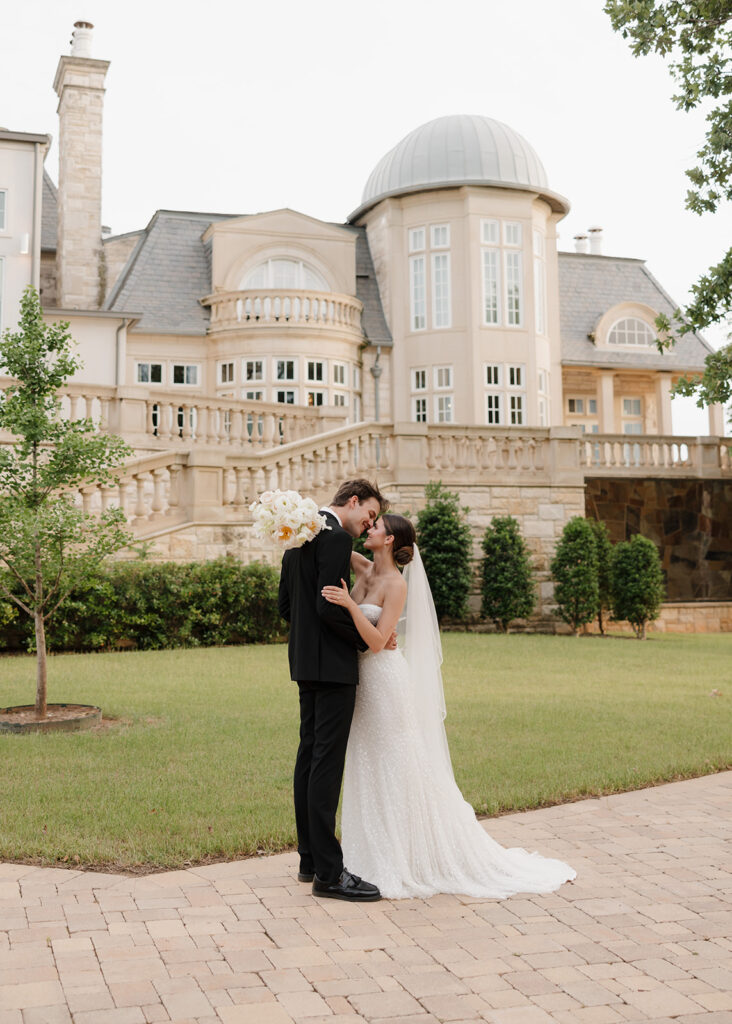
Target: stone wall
x=689 y=520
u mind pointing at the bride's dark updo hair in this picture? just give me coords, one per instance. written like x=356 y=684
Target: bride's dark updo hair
x=404 y=536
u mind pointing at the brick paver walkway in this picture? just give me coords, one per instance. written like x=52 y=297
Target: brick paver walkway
x=643 y=934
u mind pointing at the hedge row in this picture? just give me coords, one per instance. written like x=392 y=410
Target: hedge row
x=153 y=606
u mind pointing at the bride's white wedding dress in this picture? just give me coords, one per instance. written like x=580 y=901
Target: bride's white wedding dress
x=405 y=824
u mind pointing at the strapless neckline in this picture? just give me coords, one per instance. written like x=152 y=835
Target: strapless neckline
x=368 y=604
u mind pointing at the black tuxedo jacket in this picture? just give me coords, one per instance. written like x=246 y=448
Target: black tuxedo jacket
x=323 y=642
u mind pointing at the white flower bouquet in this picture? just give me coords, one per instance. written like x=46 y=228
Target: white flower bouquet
x=287 y=517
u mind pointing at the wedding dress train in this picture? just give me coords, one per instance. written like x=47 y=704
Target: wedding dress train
x=405 y=824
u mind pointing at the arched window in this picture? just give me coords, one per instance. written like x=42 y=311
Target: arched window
x=631 y=331
x=285 y=273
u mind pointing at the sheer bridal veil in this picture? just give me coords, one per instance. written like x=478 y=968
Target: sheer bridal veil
x=423 y=653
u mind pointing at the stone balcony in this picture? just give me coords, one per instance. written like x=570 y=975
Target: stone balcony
x=284 y=307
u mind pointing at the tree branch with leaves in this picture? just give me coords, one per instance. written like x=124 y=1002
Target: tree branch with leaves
x=696 y=40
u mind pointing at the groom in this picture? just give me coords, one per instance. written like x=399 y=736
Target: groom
x=323 y=652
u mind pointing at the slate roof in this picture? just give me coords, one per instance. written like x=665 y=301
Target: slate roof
x=591 y=285
x=373 y=321
x=49 y=214
x=167 y=273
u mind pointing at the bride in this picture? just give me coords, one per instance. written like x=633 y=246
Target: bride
x=405 y=823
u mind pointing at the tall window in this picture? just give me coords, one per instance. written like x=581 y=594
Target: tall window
x=340 y=398
x=543 y=397
x=419 y=380
x=316 y=398
x=253 y=396
x=443 y=377
x=339 y=374
x=539 y=284
x=226 y=373
x=439 y=276
x=3 y=207
x=417 y=293
x=286 y=396
x=514 y=288
x=502 y=266
x=493 y=375
x=440 y=289
x=491 y=287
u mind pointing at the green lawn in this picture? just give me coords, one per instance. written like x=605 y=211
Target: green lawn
x=198 y=764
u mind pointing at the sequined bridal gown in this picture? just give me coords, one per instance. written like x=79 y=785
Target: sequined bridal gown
x=405 y=824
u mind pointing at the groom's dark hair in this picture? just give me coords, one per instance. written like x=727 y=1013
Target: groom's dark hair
x=363 y=489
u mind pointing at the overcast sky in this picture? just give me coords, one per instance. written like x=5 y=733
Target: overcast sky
x=239 y=107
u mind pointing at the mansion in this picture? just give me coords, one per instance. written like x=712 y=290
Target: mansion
x=437 y=333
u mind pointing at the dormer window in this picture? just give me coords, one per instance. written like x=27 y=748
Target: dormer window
x=631 y=331
x=285 y=273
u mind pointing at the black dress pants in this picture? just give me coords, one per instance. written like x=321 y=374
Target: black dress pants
x=326 y=710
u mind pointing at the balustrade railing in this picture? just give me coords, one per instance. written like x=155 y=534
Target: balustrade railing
x=284 y=306
x=215 y=485
x=653 y=455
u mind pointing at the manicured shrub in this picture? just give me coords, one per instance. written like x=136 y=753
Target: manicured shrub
x=574 y=568
x=445 y=543
x=152 y=606
x=637 y=583
x=604 y=548
x=507 y=577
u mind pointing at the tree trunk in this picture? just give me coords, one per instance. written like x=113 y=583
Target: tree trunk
x=600 y=623
x=40 y=639
x=40 y=665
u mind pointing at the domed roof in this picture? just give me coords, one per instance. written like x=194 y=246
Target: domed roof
x=458 y=150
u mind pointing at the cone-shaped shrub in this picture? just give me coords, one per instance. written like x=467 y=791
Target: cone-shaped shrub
x=574 y=568
x=445 y=544
x=508 y=583
x=637 y=583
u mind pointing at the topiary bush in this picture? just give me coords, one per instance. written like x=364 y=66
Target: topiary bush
x=445 y=544
x=604 y=548
x=508 y=589
x=636 y=583
x=152 y=606
x=574 y=568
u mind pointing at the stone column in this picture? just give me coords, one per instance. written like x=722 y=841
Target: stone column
x=663 y=403
x=716 y=420
x=79 y=84
x=606 y=403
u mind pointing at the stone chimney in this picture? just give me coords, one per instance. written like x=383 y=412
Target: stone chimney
x=595 y=234
x=79 y=84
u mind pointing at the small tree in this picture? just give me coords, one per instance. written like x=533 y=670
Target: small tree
x=47 y=543
x=445 y=544
x=637 y=583
x=508 y=582
x=574 y=568
x=604 y=549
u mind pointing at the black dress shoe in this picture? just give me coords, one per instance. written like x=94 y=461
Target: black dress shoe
x=348 y=887
x=305 y=876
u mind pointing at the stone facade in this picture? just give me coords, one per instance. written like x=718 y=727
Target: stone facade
x=687 y=519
